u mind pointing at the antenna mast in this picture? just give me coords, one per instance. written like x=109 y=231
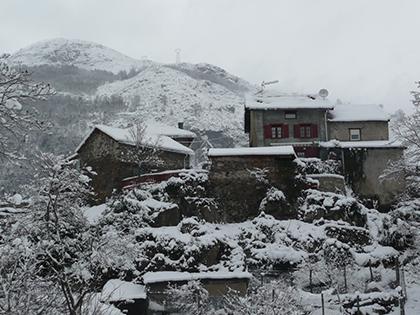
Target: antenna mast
x=263 y=84
x=178 y=55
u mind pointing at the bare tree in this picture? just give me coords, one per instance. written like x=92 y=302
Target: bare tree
x=269 y=299
x=58 y=236
x=144 y=151
x=190 y=298
x=407 y=129
x=17 y=117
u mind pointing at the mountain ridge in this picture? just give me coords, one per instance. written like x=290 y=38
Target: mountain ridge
x=207 y=98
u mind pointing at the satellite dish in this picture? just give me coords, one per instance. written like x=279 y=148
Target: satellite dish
x=323 y=93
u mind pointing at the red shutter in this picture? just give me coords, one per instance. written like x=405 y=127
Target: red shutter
x=285 y=131
x=296 y=130
x=267 y=132
x=314 y=131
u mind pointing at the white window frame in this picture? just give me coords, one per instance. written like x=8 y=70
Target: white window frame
x=290 y=115
x=276 y=132
x=355 y=132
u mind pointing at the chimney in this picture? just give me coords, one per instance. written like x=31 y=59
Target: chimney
x=181 y=125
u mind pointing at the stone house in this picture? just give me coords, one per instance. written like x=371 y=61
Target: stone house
x=317 y=128
x=113 y=153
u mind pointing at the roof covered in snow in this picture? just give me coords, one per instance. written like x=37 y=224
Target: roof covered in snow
x=170 y=131
x=361 y=144
x=286 y=150
x=352 y=112
x=153 y=137
x=270 y=99
x=117 y=290
x=168 y=276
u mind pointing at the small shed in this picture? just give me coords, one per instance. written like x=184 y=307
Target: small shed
x=129 y=297
x=216 y=283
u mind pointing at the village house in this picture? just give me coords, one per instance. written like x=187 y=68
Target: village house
x=119 y=153
x=357 y=135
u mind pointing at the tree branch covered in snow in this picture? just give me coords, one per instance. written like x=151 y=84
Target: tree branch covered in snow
x=17 y=119
x=407 y=130
x=269 y=299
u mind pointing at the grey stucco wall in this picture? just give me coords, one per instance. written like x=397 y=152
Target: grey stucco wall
x=260 y=118
x=363 y=167
x=374 y=165
x=370 y=130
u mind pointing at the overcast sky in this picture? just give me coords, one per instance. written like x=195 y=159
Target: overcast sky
x=362 y=51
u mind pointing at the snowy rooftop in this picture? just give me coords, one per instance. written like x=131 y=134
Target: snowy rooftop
x=170 y=131
x=286 y=150
x=271 y=99
x=361 y=144
x=117 y=290
x=167 y=276
x=351 y=112
x=153 y=136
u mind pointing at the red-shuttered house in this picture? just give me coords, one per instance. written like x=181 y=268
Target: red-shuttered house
x=278 y=119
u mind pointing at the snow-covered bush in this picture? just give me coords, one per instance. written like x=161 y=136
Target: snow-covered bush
x=134 y=209
x=318 y=166
x=331 y=206
x=190 y=298
x=269 y=299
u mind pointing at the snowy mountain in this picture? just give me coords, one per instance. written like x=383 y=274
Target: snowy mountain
x=82 y=54
x=205 y=97
x=167 y=94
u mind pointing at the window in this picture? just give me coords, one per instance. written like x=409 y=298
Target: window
x=300 y=154
x=290 y=115
x=305 y=131
x=355 y=134
x=276 y=132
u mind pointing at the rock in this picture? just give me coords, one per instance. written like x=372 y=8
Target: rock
x=349 y=234
x=275 y=204
x=167 y=217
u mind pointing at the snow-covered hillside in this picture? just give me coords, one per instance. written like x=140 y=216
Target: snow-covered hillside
x=82 y=54
x=167 y=94
x=205 y=97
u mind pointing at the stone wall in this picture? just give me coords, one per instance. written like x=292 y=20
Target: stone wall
x=369 y=130
x=239 y=188
x=260 y=118
x=330 y=182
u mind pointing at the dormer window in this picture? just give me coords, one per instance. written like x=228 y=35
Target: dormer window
x=290 y=115
x=355 y=134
